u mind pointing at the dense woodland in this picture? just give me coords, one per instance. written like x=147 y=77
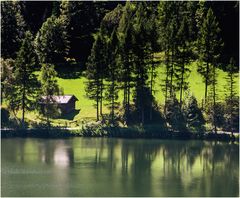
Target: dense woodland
x=116 y=44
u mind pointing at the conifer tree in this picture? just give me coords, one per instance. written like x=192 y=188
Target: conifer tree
x=51 y=42
x=141 y=60
x=175 y=116
x=9 y=90
x=209 y=50
x=168 y=28
x=113 y=71
x=152 y=36
x=232 y=100
x=183 y=58
x=94 y=87
x=26 y=81
x=49 y=89
x=194 y=117
x=125 y=32
x=12 y=28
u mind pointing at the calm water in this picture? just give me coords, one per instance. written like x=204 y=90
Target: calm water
x=118 y=167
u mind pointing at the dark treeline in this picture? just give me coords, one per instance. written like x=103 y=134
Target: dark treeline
x=85 y=18
x=118 y=42
x=88 y=15
x=123 y=56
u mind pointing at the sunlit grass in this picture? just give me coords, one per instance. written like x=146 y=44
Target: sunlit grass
x=88 y=111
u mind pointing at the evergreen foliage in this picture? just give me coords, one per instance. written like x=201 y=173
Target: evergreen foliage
x=26 y=83
x=125 y=44
x=95 y=72
x=112 y=88
x=232 y=100
x=8 y=88
x=125 y=32
x=194 y=117
x=51 y=42
x=12 y=28
x=209 y=48
x=174 y=115
x=49 y=88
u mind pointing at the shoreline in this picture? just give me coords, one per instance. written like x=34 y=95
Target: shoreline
x=117 y=132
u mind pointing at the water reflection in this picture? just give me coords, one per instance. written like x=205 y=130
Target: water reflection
x=118 y=167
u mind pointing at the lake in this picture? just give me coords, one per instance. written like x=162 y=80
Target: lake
x=118 y=167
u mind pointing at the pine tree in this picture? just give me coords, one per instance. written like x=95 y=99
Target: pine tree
x=26 y=81
x=194 y=117
x=112 y=90
x=125 y=32
x=7 y=78
x=209 y=49
x=12 y=29
x=152 y=36
x=49 y=89
x=51 y=42
x=175 y=116
x=168 y=27
x=9 y=90
x=141 y=58
x=183 y=53
x=95 y=73
x=232 y=100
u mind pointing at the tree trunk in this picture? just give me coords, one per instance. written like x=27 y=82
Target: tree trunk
x=48 y=113
x=128 y=86
x=214 y=100
x=143 y=120
x=166 y=80
x=23 y=108
x=231 y=103
x=171 y=75
x=182 y=80
x=101 y=100
x=113 y=91
x=151 y=89
x=206 y=82
x=128 y=100
x=97 y=108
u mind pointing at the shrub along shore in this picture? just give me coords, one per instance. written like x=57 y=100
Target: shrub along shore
x=148 y=132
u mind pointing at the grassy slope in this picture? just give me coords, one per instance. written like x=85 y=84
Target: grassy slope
x=87 y=110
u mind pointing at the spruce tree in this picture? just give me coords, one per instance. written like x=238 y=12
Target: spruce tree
x=175 y=116
x=125 y=32
x=168 y=28
x=9 y=91
x=141 y=58
x=183 y=53
x=26 y=81
x=95 y=73
x=232 y=100
x=209 y=52
x=49 y=89
x=152 y=36
x=12 y=28
x=194 y=117
x=51 y=42
x=209 y=49
x=113 y=71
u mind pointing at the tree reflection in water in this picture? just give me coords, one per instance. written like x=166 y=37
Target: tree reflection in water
x=123 y=167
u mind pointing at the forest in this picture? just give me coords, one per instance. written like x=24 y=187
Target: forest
x=128 y=53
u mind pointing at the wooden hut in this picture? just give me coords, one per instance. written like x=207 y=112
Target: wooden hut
x=65 y=103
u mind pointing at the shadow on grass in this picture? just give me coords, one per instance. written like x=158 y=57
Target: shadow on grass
x=70 y=116
x=70 y=71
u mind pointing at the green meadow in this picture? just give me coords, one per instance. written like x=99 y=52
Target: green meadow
x=85 y=110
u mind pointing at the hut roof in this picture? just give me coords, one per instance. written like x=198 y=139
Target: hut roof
x=59 y=99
